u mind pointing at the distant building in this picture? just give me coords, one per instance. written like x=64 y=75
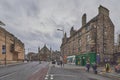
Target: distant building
x=117 y=51
x=31 y=56
x=11 y=48
x=119 y=43
x=96 y=35
x=56 y=55
x=44 y=54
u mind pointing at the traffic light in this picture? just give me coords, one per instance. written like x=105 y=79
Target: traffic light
x=3 y=49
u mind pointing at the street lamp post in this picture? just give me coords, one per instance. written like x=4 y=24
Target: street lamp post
x=63 y=47
x=61 y=30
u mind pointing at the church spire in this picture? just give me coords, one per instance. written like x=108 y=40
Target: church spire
x=39 y=49
x=44 y=45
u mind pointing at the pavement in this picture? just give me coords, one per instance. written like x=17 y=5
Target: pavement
x=45 y=70
x=12 y=64
x=29 y=71
x=101 y=70
x=72 y=72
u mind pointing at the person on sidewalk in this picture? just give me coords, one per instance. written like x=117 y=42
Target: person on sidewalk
x=53 y=63
x=88 y=66
x=94 y=66
x=61 y=63
x=107 y=67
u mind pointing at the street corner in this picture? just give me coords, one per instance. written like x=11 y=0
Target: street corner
x=39 y=75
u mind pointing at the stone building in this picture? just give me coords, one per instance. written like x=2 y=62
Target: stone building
x=118 y=43
x=11 y=48
x=96 y=35
x=44 y=54
x=117 y=50
x=55 y=55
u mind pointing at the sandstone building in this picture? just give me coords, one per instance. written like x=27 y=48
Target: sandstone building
x=96 y=35
x=32 y=56
x=14 y=50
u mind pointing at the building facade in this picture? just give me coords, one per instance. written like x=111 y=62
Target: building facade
x=117 y=51
x=96 y=35
x=32 y=56
x=11 y=48
x=55 y=55
x=44 y=54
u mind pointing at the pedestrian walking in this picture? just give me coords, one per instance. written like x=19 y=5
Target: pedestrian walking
x=61 y=63
x=94 y=66
x=88 y=66
x=53 y=62
x=107 y=67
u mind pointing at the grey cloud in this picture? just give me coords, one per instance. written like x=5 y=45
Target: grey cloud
x=35 y=22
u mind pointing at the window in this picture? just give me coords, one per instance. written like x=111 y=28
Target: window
x=79 y=33
x=87 y=47
x=88 y=38
x=12 y=46
x=80 y=42
x=3 y=49
x=105 y=32
x=79 y=48
x=88 y=28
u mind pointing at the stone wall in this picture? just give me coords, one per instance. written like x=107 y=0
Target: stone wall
x=95 y=36
x=8 y=39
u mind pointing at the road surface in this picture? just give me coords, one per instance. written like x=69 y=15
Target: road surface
x=58 y=73
x=23 y=71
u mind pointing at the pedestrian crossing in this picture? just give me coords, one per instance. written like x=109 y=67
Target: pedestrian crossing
x=49 y=77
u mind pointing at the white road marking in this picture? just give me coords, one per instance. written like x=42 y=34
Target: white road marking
x=65 y=75
x=46 y=77
x=51 y=77
x=7 y=75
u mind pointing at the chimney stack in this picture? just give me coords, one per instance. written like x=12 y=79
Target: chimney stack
x=83 y=19
x=103 y=10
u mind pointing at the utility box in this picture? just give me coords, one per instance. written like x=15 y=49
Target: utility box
x=81 y=59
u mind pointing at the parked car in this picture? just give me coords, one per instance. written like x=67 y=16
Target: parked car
x=117 y=68
x=53 y=61
x=58 y=62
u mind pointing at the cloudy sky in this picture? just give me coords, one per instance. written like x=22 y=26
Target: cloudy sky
x=35 y=22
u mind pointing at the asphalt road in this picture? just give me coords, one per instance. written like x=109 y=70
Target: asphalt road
x=57 y=73
x=21 y=72
x=36 y=71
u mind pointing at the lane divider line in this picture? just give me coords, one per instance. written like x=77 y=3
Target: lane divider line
x=51 y=77
x=7 y=75
x=46 y=77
